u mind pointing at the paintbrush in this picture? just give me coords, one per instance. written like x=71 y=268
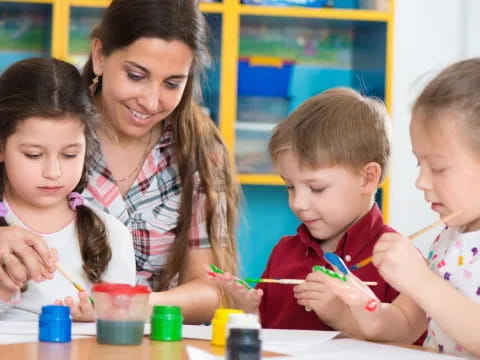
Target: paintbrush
x=292 y=281
x=413 y=236
x=275 y=281
x=216 y=270
x=69 y=278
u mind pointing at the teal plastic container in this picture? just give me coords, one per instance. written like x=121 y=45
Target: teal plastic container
x=166 y=323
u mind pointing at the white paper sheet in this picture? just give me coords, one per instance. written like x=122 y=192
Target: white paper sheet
x=294 y=342
x=340 y=349
x=198 y=354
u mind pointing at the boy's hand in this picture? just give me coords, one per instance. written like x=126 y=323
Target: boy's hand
x=399 y=262
x=81 y=311
x=244 y=299
x=352 y=292
x=318 y=296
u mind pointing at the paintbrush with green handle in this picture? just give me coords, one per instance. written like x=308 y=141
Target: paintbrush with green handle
x=216 y=270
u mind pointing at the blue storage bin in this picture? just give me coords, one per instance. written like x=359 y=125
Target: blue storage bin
x=261 y=80
x=309 y=3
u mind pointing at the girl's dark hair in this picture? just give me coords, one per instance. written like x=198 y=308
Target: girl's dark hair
x=199 y=146
x=50 y=88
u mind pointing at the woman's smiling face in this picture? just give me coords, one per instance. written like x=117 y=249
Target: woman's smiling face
x=142 y=83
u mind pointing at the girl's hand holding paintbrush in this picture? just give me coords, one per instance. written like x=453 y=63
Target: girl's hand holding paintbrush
x=400 y=263
x=241 y=296
x=82 y=310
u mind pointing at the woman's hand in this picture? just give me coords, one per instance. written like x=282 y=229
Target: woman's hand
x=83 y=310
x=24 y=256
x=245 y=299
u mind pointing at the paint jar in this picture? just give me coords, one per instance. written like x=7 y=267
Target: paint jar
x=242 y=321
x=219 y=325
x=55 y=324
x=121 y=311
x=244 y=343
x=166 y=323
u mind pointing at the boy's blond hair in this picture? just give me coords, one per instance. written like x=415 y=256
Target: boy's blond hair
x=336 y=127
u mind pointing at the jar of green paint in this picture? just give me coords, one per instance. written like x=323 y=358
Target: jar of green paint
x=166 y=323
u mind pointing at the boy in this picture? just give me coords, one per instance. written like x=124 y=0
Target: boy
x=332 y=152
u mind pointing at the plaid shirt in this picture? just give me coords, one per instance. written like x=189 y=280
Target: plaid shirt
x=150 y=207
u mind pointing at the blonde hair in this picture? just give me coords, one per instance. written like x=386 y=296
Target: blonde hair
x=457 y=90
x=336 y=127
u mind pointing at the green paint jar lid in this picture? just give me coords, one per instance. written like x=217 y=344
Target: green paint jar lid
x=167 y=310
x=166 y=323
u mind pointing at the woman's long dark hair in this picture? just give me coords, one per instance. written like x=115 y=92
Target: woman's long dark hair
x=53 y=89
x=199 y=146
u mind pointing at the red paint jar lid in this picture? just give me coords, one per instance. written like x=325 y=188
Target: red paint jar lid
x=119 y=289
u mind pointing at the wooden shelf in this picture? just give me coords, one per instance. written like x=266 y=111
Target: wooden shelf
x=319 y=13
x=90 y=3
x=212 y=7
x=260 y=179
x=30 y=1
x=204 y=7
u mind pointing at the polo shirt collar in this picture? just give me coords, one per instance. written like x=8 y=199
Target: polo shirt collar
x=357 y=236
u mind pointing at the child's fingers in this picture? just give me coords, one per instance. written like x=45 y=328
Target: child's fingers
x=315 y=276
x=357 y=282
x=74 y=309
x=338 y=271
x=352 y=292
x=69 y=301
x=228 y=276
x=58 y=302
x=84 y=302
x=310 y=290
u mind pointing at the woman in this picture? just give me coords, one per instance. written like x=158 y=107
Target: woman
x=160 y=166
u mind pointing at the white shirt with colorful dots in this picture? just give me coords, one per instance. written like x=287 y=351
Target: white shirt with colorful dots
x=454 y=257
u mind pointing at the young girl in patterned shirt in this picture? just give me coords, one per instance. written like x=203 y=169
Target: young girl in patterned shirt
x=442 y=293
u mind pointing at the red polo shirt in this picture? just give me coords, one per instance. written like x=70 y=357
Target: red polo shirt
x=294 y=256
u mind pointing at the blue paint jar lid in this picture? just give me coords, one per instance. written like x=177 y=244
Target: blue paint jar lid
x=55 y=324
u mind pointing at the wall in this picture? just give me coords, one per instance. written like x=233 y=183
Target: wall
x=429 y=34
